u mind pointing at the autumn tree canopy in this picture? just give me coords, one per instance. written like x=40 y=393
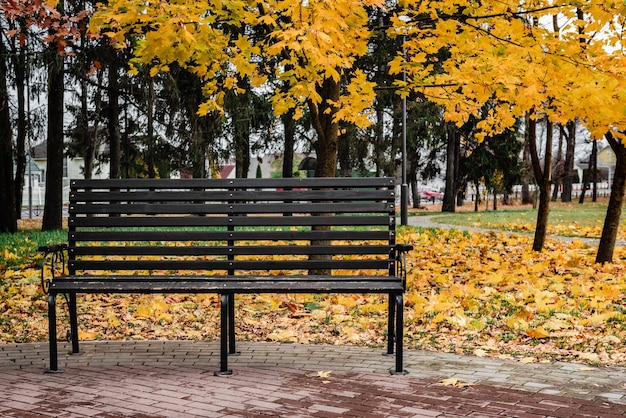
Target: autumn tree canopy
x=562 y=60
x=309 y=47
x=537 y=60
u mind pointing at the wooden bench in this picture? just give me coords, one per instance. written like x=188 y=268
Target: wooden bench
x=228 y=237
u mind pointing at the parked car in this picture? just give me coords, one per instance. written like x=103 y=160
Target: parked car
x=430 y=195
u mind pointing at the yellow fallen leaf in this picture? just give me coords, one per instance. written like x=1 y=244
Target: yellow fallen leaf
x=455 y=381
x=143 y=312
x=479 y=352
x=114 y=322
x=287 y=335
x=87 y=335
x=528 y=360
x=538 y=333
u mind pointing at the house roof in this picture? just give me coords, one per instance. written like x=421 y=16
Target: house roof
x=33 y=165
x=40 y=151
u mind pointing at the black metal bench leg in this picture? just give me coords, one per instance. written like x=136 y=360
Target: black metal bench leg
x=399 y=334
x=73 y=323
x=224 y=309
x=52 y=333
x=391 y=323
x=231 y=325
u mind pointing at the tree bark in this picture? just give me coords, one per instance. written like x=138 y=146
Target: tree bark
x=568 y=169
x=452 y=164
x=8 y=215
x=150 y=105
x=20 y=161
x=543 y=178
x=53 y=209
x=591 y=174
x=326 y=128
x=606 y=246
x=527 y=197
x=289 y=126
x=113 y=121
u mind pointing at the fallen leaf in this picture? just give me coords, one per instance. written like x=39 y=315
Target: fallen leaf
x=456 y=382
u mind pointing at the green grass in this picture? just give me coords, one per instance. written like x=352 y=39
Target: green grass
x=19 y=250
x=569 y=219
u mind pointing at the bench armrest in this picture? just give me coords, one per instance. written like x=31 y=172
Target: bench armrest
x=401 y=250
x=55 y=255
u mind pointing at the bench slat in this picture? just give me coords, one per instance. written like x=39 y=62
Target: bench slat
x=210 y=285
x=230 y=221
x=77 y=279
x=293 y=183
x=233 y=196
x=138 y=208
x=171 y=236
x=178 y=265
x=196 y=250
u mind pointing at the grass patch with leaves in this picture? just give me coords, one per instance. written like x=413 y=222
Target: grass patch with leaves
x=566 y=219
x=487 y=294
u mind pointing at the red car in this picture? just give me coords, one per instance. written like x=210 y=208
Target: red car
x=431 y=195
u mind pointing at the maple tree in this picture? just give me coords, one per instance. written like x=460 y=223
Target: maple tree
x=310 y=47
x=508 y=53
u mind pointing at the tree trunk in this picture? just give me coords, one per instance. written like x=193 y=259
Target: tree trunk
x=568 y=169
x=594 y=171
x=591 y=174
x=113 y=122
x=326 y=128
x=452 y=163
x=289 y=126
x=150 y=161
x=344 y=149
x=53 y=209
x=477 y=197
x=527 y=196
x=8 y=214
x=542 y=176
x=606 y=246
x=20 y=160
x=558 y=166
x=84 y=137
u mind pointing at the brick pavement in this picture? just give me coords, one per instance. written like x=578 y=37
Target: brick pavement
x=175 y=378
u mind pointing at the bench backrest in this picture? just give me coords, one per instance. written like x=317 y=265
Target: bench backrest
x=232 y=226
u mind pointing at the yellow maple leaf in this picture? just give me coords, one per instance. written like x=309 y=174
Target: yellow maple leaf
x=456 y=382
x=537 y=333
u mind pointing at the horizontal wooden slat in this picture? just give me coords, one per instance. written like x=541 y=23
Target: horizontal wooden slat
x=340 y=182
x=195 y=250
x=239 y=265
x=77 y=279
x=241 y=285
x=192 y=196
x=229 y=221
x=195 y=236
x=295 y=208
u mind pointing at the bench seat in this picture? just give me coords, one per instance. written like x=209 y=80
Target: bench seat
x=235 y=284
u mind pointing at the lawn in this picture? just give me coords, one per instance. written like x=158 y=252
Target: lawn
x=566 y=219
x=484 y=294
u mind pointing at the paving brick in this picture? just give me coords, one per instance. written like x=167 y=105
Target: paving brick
x=161 y=379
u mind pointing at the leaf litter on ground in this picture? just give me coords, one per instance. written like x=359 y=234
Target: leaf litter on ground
x=486 y=294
